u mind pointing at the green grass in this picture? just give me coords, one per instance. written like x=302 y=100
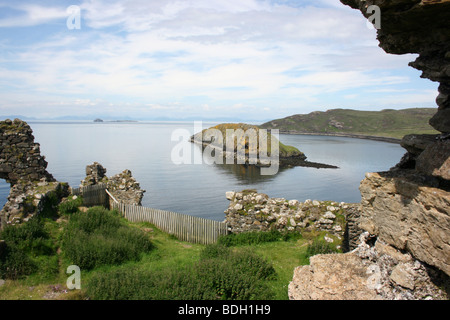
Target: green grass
x=181 y=265
x=385 y=123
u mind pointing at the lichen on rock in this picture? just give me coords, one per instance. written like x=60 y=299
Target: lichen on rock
x=252 y=211
x=123 y=186
x=21 y=165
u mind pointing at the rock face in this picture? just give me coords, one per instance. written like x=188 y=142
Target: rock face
x=123 y=186
x=373 y=271
x=21 y=164
x=408 y=211
x=418 y=26
x=404 y=213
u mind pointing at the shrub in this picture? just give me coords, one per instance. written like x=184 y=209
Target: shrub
x=319 y=247
x=29 y=237
x=29 y=248
x=220 y=274
x=256 y=237
x=15 y=263
x=99 y=237
x=70 y=206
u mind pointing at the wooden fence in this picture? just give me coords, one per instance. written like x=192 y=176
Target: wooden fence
x=94 y=195
x=184 y=227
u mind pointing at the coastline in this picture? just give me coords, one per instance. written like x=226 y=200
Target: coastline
x=283 y=162
x=346 y=135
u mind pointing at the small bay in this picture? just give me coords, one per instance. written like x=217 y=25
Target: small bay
x=145 y=148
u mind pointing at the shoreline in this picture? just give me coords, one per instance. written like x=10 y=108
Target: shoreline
x=345 y=135
x=283 y=162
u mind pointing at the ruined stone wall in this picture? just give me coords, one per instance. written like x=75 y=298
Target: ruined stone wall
x=22 y=165
x=123 y=186
x=20 y=158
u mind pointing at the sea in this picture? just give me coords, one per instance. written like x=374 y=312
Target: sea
x=151 y=149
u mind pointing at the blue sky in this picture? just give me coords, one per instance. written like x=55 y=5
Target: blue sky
x=241 y=59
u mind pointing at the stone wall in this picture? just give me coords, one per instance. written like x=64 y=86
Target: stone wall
x=123 y=186
x=21 y=165
x=252 y=211
x=20 y=158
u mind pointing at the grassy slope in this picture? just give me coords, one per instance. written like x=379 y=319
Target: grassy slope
x=385 y=123
x=169 y=253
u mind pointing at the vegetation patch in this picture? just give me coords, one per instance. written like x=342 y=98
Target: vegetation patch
x=219 y=274
x=99 y=237
x=257 y=237
x=28 y=247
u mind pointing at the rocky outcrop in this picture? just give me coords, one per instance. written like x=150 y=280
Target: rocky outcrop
x=242 y=144
x=123 y=186
x=404 y=251
x=418 y=26
x=373 y=271
x=252 y=211
x=32 y=188
x=409 y=211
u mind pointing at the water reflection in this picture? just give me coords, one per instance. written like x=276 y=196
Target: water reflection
x=246 y=174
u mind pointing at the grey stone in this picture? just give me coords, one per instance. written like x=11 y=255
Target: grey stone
x=435 y=160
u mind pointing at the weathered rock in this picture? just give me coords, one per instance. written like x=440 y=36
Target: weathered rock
x=416 y=143
x=405 y=211
x=25 y=169
x=230 y=195
x=409 y=212
x=346 y=280
x=26 y=200
x=403 y=275
x=435 y=160
x=370 y=272
x=441 y=120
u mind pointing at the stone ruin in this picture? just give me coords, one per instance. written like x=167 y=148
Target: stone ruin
x=23 y=167
x=33 y=187
x=123 y=186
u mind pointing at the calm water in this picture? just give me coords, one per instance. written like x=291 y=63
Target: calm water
x=199 y=189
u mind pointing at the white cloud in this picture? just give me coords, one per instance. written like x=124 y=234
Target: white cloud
x=204 y=54
x=33 y=15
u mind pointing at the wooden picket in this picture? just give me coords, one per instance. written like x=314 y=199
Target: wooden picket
x=184 y=227
x=94 y=195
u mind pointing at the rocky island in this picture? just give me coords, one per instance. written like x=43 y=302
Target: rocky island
x=239 y=141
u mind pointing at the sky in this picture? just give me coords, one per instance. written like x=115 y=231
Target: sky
x=197 y=59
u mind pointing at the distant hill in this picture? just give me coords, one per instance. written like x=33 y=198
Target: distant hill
x=365 y=124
